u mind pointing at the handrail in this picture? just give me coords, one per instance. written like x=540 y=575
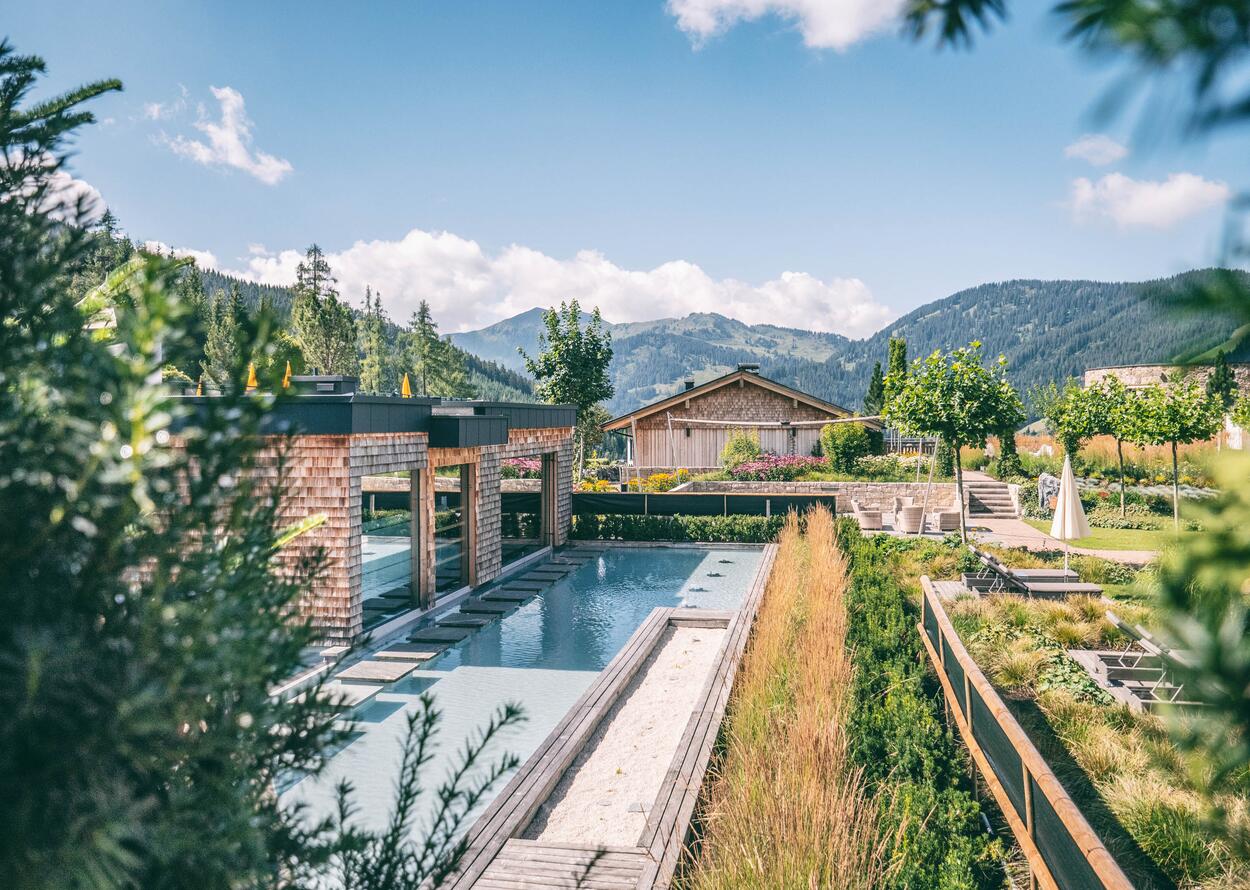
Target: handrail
x=1035 y=767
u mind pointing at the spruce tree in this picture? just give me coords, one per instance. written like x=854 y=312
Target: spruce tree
x=439 y=368
x=221 y=344
x=1221 y=384
x=321 y=323
x=145 y=617
x=874 y=398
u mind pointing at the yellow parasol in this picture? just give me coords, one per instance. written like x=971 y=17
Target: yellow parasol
x=252 y=384
x=406 y=389
x=199 y=387
x=286 y=378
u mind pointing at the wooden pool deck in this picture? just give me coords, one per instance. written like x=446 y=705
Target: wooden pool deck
x=499 y=859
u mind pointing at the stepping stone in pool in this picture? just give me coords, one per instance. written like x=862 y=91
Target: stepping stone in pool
x=486 y=607
x=470 y=621
x=377 y=671
x=526 y=585
x=439 y=635
x=414 y=652
x=346 y=695
x=504 y=595
x=545 y=578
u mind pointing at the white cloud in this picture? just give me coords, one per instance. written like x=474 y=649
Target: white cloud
x=468 y=288
x=824 y=24
x=159 y=111
x=65 y=196
x=203 y=258
x=1097 y=149
x=230 y=141
x=1143 y=202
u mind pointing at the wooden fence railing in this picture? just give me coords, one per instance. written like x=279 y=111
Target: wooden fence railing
x=1063 y=851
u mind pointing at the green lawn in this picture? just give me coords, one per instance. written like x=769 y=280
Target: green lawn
x=1117 y=538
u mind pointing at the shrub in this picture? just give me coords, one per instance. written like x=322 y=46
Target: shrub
x=843 y=445
x=898 y=738
x=741 y=446
x=659 y=482
x=776 y=468
x=945 y=459
x=707 y=529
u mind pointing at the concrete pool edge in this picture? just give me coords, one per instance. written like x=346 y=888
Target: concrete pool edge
x=495 y=836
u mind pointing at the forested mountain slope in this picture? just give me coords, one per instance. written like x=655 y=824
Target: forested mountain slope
x=1048 y=330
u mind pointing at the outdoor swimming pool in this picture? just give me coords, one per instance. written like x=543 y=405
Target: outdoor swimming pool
x=543 y=657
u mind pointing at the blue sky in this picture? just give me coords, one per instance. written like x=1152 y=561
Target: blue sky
x=654 y=158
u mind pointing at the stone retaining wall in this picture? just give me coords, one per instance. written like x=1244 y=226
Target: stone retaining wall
x=871 y=495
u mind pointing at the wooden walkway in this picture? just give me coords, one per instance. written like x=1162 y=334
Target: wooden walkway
x=497 y=859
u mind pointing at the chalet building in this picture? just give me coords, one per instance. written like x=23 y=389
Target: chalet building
x=441 y=464
x=689 y=430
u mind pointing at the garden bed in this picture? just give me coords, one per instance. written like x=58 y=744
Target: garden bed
x=1121 y=768
x=835 y=767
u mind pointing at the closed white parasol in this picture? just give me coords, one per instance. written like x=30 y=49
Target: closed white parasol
x=1069 y=523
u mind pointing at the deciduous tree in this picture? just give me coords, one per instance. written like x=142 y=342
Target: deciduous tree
x=571 y=368
x=1175 y=414
x=955 y=396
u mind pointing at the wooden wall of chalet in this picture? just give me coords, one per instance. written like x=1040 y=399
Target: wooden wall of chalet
x=697 y=446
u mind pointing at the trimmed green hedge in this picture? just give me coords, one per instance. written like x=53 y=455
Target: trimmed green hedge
x=708 y=529
x=898 y=736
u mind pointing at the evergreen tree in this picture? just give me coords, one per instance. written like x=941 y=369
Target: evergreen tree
x=572 y=369
x=874 y=398
x=1222 y=385
x=321 y=323
x=896 y=363
x=438 y=366
x=371 y=326
x=145 y=618
x=222 y=348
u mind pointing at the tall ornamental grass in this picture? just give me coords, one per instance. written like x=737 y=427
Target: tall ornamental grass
x=786 y=807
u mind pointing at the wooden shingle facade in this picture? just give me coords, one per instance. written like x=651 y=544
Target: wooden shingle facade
x=688 y=430
x=327 y=441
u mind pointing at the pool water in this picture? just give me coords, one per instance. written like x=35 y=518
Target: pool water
x=543 y=657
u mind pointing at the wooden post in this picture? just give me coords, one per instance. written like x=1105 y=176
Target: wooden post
x=416 y=530
x=468 y=524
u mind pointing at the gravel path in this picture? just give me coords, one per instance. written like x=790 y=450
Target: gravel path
x=603 y=798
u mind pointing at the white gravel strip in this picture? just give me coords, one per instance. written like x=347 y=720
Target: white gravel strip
x=604 y=797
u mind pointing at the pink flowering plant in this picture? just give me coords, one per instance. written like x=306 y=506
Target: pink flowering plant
x=523 y=468
x=777 y=468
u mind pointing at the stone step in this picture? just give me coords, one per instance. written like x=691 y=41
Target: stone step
x=439 y=635
x=387 y=671
x=416 y=652
x=469 y=621
x=486 y=607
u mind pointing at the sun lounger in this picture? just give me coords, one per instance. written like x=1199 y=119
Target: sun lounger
x=1165 y=686
x=995 y=577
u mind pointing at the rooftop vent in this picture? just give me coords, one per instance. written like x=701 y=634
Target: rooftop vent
x=688 y=384
x=752 y=367
x=322 y=384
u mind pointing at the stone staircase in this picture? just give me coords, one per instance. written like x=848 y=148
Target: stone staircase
x=989 y=500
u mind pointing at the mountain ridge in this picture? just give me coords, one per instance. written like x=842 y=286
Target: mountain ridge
x=1049 y=330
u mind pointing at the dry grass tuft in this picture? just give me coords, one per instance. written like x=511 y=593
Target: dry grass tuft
x=786 y=808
